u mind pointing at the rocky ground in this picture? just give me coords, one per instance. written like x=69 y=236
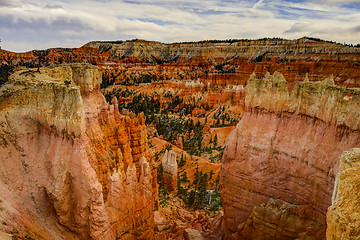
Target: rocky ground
x=175 y=220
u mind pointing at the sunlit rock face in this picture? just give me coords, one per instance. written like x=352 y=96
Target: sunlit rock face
x=343 y=216
x=287 y=147
x=75 y=167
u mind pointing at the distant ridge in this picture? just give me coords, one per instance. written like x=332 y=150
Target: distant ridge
x=233 y=59
x=233 y=41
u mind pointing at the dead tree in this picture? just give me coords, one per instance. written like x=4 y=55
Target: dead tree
x=41 y=57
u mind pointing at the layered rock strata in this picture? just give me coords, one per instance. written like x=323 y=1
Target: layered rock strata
x=343 y=216
x=287 y=147
x=75 y=167
x=170 y=172
x=219 y=63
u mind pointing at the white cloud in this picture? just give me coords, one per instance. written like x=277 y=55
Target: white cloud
x=29 y=24
x=341 y=1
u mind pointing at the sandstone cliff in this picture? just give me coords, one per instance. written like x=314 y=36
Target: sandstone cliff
x=219 y=63
x=73 y=166
x=286 y=147
x=222 y=63
x=343 y=216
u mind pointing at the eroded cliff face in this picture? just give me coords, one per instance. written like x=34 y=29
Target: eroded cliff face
x=286 y=147
x=219 y=63
x=343 y=218
x=73 y=166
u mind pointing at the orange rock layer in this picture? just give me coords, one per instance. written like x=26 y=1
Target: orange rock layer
x=75 y=167
x=286 y=147
x=217 y=63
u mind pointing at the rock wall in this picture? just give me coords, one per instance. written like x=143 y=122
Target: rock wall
x=231 y=63
x=343 y=216
x=75 y=167
x=215 y=62
x=287 y=147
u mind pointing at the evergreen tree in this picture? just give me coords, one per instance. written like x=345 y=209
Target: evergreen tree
x=182 y=161
x=211 y=174
x=192 y=195
x=215 y=141
x=160 y=171
x=5 y=70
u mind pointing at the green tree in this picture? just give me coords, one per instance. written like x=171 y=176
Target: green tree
x=5 y=70
x=217 y=182
x=215 y=141
x=182 y=161
x=184 y=177
x=163 y=196
x=160 y=171
x=202 y=189
x=191 y=199
x=211 y=174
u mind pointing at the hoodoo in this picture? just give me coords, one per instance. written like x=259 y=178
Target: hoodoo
x=73 y=167
x=280 y=163
x=170 y=170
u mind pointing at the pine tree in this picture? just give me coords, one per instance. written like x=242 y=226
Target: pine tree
x=182 y=161
x=160 y=170
x=211 y=174
x=215 y=141
x=5 y=69
x=217 y=182
x=191 y=199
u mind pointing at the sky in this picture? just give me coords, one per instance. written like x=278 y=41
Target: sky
x=38 y=24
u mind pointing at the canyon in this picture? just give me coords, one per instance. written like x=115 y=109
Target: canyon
x=136 y=139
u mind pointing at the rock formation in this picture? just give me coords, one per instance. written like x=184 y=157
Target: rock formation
x=286 y=147
x=343 y=216
x=223 y=63
x=219 y=63
x=87 y=167
x=75 y=167
x=170 y=170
